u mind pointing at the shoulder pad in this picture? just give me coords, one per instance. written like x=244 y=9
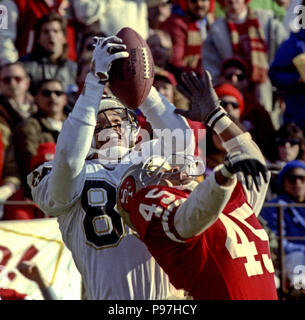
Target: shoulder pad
x=38 y=174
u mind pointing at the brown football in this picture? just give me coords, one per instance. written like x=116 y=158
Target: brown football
x=131 y=78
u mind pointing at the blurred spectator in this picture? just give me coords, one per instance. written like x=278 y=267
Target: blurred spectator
x=165 y=83
x=287 y=144
x=158 y=12
x=114 y=15
x=253 y=35
x=18 y=39
x=277 y=7
x=287 y=74
x=235 y=71
x=15 y=101
x=48 y=59
x=161 y=48
x=231 y=100
x=16 y=104
x=291 y=182
x=29 y=210
x=188 y=30
x=43 y=126
x=254 y=118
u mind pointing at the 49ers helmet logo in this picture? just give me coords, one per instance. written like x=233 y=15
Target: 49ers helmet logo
x=127 y=191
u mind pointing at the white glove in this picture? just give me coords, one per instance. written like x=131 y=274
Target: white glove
x=106 y=50
x=5 y=192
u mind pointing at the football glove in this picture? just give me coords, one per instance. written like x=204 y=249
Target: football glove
x=106 y=50
x=251 y=169
x=201 y=94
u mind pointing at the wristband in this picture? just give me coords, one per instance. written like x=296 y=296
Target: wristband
x=222 y=124
x=218 y=120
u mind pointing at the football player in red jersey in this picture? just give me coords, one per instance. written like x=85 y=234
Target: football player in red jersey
x=206 y=236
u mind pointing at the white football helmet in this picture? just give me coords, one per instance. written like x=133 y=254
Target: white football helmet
x=129 y=123
x=179 y=171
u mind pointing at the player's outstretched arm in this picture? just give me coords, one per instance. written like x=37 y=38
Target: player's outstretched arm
x=159 y=112
x=244 y=156
x=203 y=206
x=67 y=176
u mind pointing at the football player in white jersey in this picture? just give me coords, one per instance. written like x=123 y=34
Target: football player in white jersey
x=79 y=186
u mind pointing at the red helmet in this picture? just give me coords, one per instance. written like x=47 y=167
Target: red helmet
x=156 y=170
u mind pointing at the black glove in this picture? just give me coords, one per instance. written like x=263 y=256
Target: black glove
x=201 y=94
x=251 y=168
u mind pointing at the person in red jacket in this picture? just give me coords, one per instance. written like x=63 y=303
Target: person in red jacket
x=188 y=29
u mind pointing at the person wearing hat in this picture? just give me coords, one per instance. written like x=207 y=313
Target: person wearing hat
x=256 y=121
x=231 y=100
x=165 y=83
x=291 y=184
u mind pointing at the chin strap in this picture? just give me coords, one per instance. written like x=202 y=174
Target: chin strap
x=110 y=155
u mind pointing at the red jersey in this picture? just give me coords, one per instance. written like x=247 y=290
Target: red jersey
x=230 y=260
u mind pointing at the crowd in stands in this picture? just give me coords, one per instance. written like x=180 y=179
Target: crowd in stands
x=252 y=48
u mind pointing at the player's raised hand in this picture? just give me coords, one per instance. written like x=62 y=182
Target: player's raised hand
x=106 y=50
x=201 y=94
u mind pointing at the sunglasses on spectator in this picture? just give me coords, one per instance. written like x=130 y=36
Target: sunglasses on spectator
x=8 y=80
x=292 y=178
x=240 y=76
x=47 y=93
x=282 y=142
x=225 y=104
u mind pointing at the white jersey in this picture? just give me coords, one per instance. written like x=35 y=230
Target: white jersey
x=114 y=263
